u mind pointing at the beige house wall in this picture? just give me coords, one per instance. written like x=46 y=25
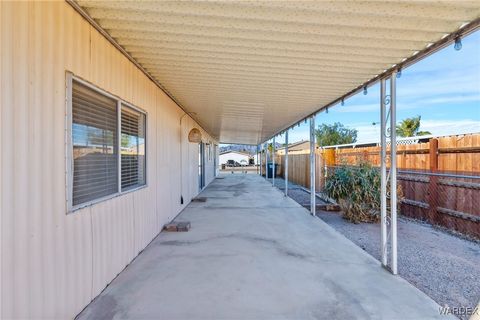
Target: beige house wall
x=53 y=263
x=300 y=147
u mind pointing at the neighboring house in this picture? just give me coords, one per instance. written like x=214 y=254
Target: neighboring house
x=236 y=156
x=296 y=148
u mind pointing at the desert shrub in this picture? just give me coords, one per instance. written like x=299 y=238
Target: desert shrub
x=357 y=191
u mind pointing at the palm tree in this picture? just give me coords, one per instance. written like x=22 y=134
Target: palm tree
x=410 y=128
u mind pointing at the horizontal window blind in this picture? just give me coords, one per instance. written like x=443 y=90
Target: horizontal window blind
x=94 y=137
x=132 y=148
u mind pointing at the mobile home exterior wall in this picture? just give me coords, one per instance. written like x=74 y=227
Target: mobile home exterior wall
x=53 y=263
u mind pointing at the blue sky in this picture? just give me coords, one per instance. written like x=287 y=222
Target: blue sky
x=444 y=89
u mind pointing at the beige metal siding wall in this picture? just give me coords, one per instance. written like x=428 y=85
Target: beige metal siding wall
x=53 y=264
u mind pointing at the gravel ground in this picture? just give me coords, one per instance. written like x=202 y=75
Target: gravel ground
x=444 y=266
x=295 y=192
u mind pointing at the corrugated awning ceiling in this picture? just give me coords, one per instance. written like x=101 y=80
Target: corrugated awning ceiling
x=250 y=69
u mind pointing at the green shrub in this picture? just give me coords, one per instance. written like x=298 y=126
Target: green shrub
x=357 y=191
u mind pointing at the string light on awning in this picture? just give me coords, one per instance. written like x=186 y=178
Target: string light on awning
x=458 y=44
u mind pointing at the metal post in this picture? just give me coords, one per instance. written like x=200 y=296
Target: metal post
x=266 y=160
x=256 y=167
x=312 y=165
x=261 y=159
x=393 y=172
x=383 y=173
x=285 y=175
x=273 y=162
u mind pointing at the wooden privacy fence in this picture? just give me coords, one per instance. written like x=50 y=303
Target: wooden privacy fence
x=434 y=176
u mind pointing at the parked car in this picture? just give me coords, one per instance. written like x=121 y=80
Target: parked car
x=233 y=163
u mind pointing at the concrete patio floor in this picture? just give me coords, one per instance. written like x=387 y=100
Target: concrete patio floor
x=254 y=254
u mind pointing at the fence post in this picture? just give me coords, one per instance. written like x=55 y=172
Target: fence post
x=329 y=161
x=433 y=181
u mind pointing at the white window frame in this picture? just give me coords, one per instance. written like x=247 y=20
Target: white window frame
x=70 y=77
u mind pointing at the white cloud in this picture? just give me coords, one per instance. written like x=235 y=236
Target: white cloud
x=447 y=127
x=450 y=99
x=437 y=84
x=367 y=133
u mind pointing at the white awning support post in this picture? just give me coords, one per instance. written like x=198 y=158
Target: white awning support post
x=393 y=171
x=388 y=239
x=273 y=162
x=285 y=174
x=312 y=165
x=383 y=172
x=256 y=168
x=261 y=159
x=266 y=160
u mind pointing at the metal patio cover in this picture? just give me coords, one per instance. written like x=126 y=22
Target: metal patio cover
x=248 y=70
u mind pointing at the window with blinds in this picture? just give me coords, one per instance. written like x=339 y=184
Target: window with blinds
x=94 y=138
x=108 y=145
x=132 y=148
